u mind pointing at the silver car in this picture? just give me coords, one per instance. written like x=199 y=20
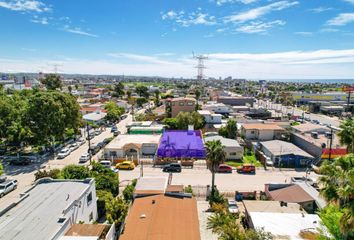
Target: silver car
x=7 y=186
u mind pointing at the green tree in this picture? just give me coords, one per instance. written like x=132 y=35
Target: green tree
x=157 y=97
x=70 y=88
x=141 y=101
x=184 y=119
x=50 y=114
x=53 y=173
x=171 y=123
x=114 y=209
x=142 y=91
x=75 y=172
x=346 y=135
x=215 y=156
x=52 y=82
x=1 y=169
x=76 y=87
x=118 y=90
x=113 y=111
x=129 y=94
x=105 y=178
x=338 y=187
x=331 y=217
x=230 y=130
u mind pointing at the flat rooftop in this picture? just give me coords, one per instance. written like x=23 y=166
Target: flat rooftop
x=281 y=148
x=161 y=217
x=37 y=215
x=121 y=140
x=151 y=185
x=271 y=206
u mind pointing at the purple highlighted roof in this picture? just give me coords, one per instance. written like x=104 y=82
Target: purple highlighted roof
x=181 y=143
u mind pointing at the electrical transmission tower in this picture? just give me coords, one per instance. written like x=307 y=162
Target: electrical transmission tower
x=200 y=66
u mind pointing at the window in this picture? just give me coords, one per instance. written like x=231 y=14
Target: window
x=91 y=217
x=252 y=132
x=233 y=153
x=190 y=104
x=89 y=198
x=181 y=104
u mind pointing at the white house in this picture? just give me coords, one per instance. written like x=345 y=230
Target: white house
x=210 y=118
x=217 y=108
x=232 y=148
x=48 y=209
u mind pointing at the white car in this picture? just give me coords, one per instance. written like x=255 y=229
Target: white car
x=74 y=146
x=7 y=186
x=106 y=164
x=80 y=141
x=84 y=158
x=63 y=153
x=269 y=163
x=233 y=208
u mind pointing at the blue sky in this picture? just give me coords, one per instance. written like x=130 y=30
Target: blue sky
x=243 y=38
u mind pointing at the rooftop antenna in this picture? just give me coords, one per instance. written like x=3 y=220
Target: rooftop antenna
x=200 y=66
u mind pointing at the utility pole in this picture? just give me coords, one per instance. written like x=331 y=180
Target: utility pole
x=89 y=142
x=330 y=145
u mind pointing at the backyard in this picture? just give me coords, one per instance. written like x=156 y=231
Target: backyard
x=248 y=157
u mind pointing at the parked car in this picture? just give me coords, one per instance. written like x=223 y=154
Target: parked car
x=98 y=132
x=114 y=129
x=116 y=133
x=172 y=167
x=107 y=140
x=223 y=168
x=21 y=161
x=74 y=146
x=246 y=168
x=63 y=153
x=100 y=145
x=106 y=164
x=269 y=163
x=84 y=158
x=128 y=165
x=81 y=141
x=7 y=186
x=91 y=136
x=94 y=149
x=232 y=206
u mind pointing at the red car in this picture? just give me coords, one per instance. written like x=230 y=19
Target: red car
x=223 y=168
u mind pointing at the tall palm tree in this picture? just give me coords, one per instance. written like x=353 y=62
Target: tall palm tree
x=338 y=187
x=346 y=135
x=215 y=156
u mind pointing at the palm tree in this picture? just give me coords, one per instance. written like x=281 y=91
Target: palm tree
x=346 y=135
x=338 y=187
x=215 y=156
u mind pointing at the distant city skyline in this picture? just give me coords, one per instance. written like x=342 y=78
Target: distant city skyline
x=266 y=39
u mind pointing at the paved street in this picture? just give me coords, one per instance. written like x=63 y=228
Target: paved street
x=278 y=108
x=25 y=174
x=200 y=176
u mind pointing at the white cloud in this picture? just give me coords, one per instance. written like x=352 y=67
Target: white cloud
x=40 y=20
x=186 y=20
x=259 y=27
x=25 y=6
x=255 y=13
x=321 y=9
x=342 y=19
x=79 y=31
x=350 y=1
x=304 y=33
x=286 y=65
x=222 y=2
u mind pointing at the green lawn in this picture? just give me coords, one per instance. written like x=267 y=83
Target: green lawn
x=247 y=158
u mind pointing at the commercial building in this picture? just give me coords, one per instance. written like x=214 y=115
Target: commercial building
x=285 y=154
x=182 y=105
x=218 y=108
x=132 y=145
x=262 y=131
x=232 y=148
x=304 y=98
x=48 y=209
x=236 y=100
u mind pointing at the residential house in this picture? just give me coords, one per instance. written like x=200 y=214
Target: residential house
x=285 y=154
x=218 y=108
x=262 y=131
x=233 y=150
x=97 y=117
x=182 y=105
x=132 y=145
x=48 y=209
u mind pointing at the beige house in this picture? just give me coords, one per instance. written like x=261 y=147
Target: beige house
x=262 y=131
x=182 y=105
x=232 y=148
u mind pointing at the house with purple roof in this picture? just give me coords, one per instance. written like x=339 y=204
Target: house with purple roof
x=186 y=144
